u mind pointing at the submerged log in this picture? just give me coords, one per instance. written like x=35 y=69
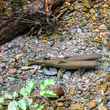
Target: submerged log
x=66 y=64
x=16 y=25
x=81 y=58
x=11 y=28
x=72 y=63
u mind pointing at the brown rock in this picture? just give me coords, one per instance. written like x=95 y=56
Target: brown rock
x=108 y=77
x=60 y=104
x=92 y=104
x=102 y=107
x=24 y=76
x=18 y=56
x=58 y=90
x=76 y=106
x=102 y=87
x=12 y=71
x=97 y=30
x=103 y=27
x=1 y=79
x=72 y=91
x=60 y=108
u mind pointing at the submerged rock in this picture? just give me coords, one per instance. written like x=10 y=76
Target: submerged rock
x=50 y=71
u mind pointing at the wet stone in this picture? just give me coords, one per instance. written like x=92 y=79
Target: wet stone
x=67 y=75
x=50 y=71
x=108 y=104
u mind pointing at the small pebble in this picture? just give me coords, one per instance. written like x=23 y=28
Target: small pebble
x=1 y=80
x=12 y=71
x=79 y=30
x=50 y=71
x=60 y=104
x=92 y=104
x=60 y=108
x=67 y=75
x=102 y=107
x=76 y=106
x=108 y=104
x=103 y=27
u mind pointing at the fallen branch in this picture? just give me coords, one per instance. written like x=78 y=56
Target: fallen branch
x=67 y=64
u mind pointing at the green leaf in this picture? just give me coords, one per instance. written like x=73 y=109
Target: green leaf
x=8 y=96
x=23 y=105
x=13 y=105
x=48 y=93
x=29 y=101
x=1 y=107
x=45 y=83
x=31 y=84
x=15 y=94
x=26 y=91
x=38 y=107
x=2 y=100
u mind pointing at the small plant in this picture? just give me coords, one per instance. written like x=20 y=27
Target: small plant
x=23 y=100
x=44 y=91
x=27 y=90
